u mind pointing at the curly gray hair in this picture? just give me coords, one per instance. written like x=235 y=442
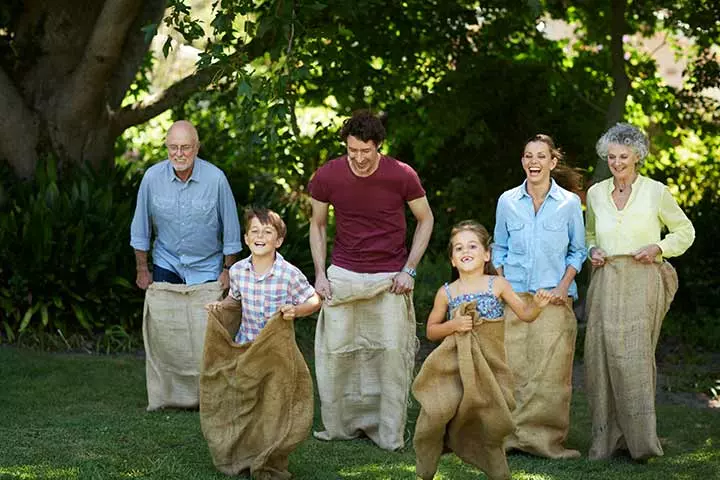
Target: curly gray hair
x=624 y=134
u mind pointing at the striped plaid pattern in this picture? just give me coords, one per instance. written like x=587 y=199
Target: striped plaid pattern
x=263 y=295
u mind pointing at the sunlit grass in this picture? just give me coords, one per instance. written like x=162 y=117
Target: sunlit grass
x=32 y=472
x=83 y=417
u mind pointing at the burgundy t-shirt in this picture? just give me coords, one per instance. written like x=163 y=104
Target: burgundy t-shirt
x=369 y=212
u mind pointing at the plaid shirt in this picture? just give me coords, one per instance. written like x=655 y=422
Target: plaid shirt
x=263 y=295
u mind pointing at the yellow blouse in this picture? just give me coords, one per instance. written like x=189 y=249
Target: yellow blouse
x=650 y=207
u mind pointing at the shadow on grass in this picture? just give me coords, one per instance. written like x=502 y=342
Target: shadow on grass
x=83 y=417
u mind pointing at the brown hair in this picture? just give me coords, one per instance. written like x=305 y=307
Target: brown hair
x=567 y=177
x=266 y=217
x=482 y=234
x=364 y=126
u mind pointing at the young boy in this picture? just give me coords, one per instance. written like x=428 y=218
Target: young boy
x=265 y=282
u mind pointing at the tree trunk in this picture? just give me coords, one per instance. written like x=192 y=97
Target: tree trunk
x=63 y=83
x=621 y=81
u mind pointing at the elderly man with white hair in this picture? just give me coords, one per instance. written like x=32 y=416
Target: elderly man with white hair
x=187 y=205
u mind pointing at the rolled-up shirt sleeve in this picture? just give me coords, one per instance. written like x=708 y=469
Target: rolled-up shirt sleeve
x=500 y=236
x=577 y=253
x=681 y=233
x=230 y=221
x=140 y=228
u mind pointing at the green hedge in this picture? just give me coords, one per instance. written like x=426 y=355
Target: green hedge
x=66 y=264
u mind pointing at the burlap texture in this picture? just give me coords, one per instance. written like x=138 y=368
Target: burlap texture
x=364 y=357
x=174 y=321
x=465 y=393
x=627 y=301
x=540 y=355
x=256 y=400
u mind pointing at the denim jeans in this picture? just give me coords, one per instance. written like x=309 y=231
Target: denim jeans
x=160 y=274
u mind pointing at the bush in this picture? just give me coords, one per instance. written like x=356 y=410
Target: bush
x=65 y=260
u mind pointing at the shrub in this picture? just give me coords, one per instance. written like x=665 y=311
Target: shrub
x=65 y=262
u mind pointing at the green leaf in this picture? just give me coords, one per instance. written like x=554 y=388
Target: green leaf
x=81 y=316
x=123 y=282
x=26 y=319
x=244 y=90
x=150 y=31
x=167 y=46
x=8 y=331
x=44 y=315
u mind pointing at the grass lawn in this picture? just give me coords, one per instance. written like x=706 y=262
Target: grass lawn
x=66 y=416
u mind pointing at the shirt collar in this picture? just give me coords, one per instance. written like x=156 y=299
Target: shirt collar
x=194 y=176
x=554 y=191
x=246 y=264
x=611 y=183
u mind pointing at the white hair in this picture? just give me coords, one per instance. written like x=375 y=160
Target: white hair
x=627 y=135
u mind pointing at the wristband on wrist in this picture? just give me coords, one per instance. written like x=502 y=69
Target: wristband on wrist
x=410 y=271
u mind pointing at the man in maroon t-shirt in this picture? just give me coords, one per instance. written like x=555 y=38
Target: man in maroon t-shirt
x=368 y=192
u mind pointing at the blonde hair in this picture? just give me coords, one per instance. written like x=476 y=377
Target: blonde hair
x=481 y=232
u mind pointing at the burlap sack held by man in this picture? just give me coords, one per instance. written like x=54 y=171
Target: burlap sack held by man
x=364 y=344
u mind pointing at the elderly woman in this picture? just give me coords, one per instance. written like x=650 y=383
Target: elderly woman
x=540 y=244
x=630 y=293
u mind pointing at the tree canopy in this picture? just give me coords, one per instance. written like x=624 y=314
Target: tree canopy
x=461 y=84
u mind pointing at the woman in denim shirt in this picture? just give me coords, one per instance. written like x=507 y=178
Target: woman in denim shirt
x=540 y=244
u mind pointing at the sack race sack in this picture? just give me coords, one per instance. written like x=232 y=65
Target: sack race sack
x=627 y=301
x=465 y=393
x=174 y=320
x=364 y=357
x=256 y=399
x=540 y=355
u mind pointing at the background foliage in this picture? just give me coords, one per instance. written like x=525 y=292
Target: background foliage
x=461 y=85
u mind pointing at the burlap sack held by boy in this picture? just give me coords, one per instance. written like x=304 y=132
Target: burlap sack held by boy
x=256 y=400
x=465 y=390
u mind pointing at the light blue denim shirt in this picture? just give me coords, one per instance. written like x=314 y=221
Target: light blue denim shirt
x=536 y=249
x=195 y=222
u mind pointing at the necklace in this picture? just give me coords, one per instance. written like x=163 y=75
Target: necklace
x=621 y=186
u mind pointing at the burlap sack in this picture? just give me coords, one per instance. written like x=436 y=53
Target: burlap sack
x=256 y=400
x=540 y=355
x=174 y=321
x=465 y=393
x=364 y=357
x=627 y=301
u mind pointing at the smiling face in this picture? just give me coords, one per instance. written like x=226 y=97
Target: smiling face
x=262 y=238
x=538 y=162
x=467 y=252
x=182 y=144
x=622 y=161
x=364 y=157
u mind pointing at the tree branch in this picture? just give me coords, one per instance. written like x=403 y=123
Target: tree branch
x=176 y=93
x=101 y=56
x=18 y=129
x=134 y=51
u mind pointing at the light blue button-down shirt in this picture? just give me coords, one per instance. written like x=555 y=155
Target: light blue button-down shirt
x=195 y=222
x=535 y=249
